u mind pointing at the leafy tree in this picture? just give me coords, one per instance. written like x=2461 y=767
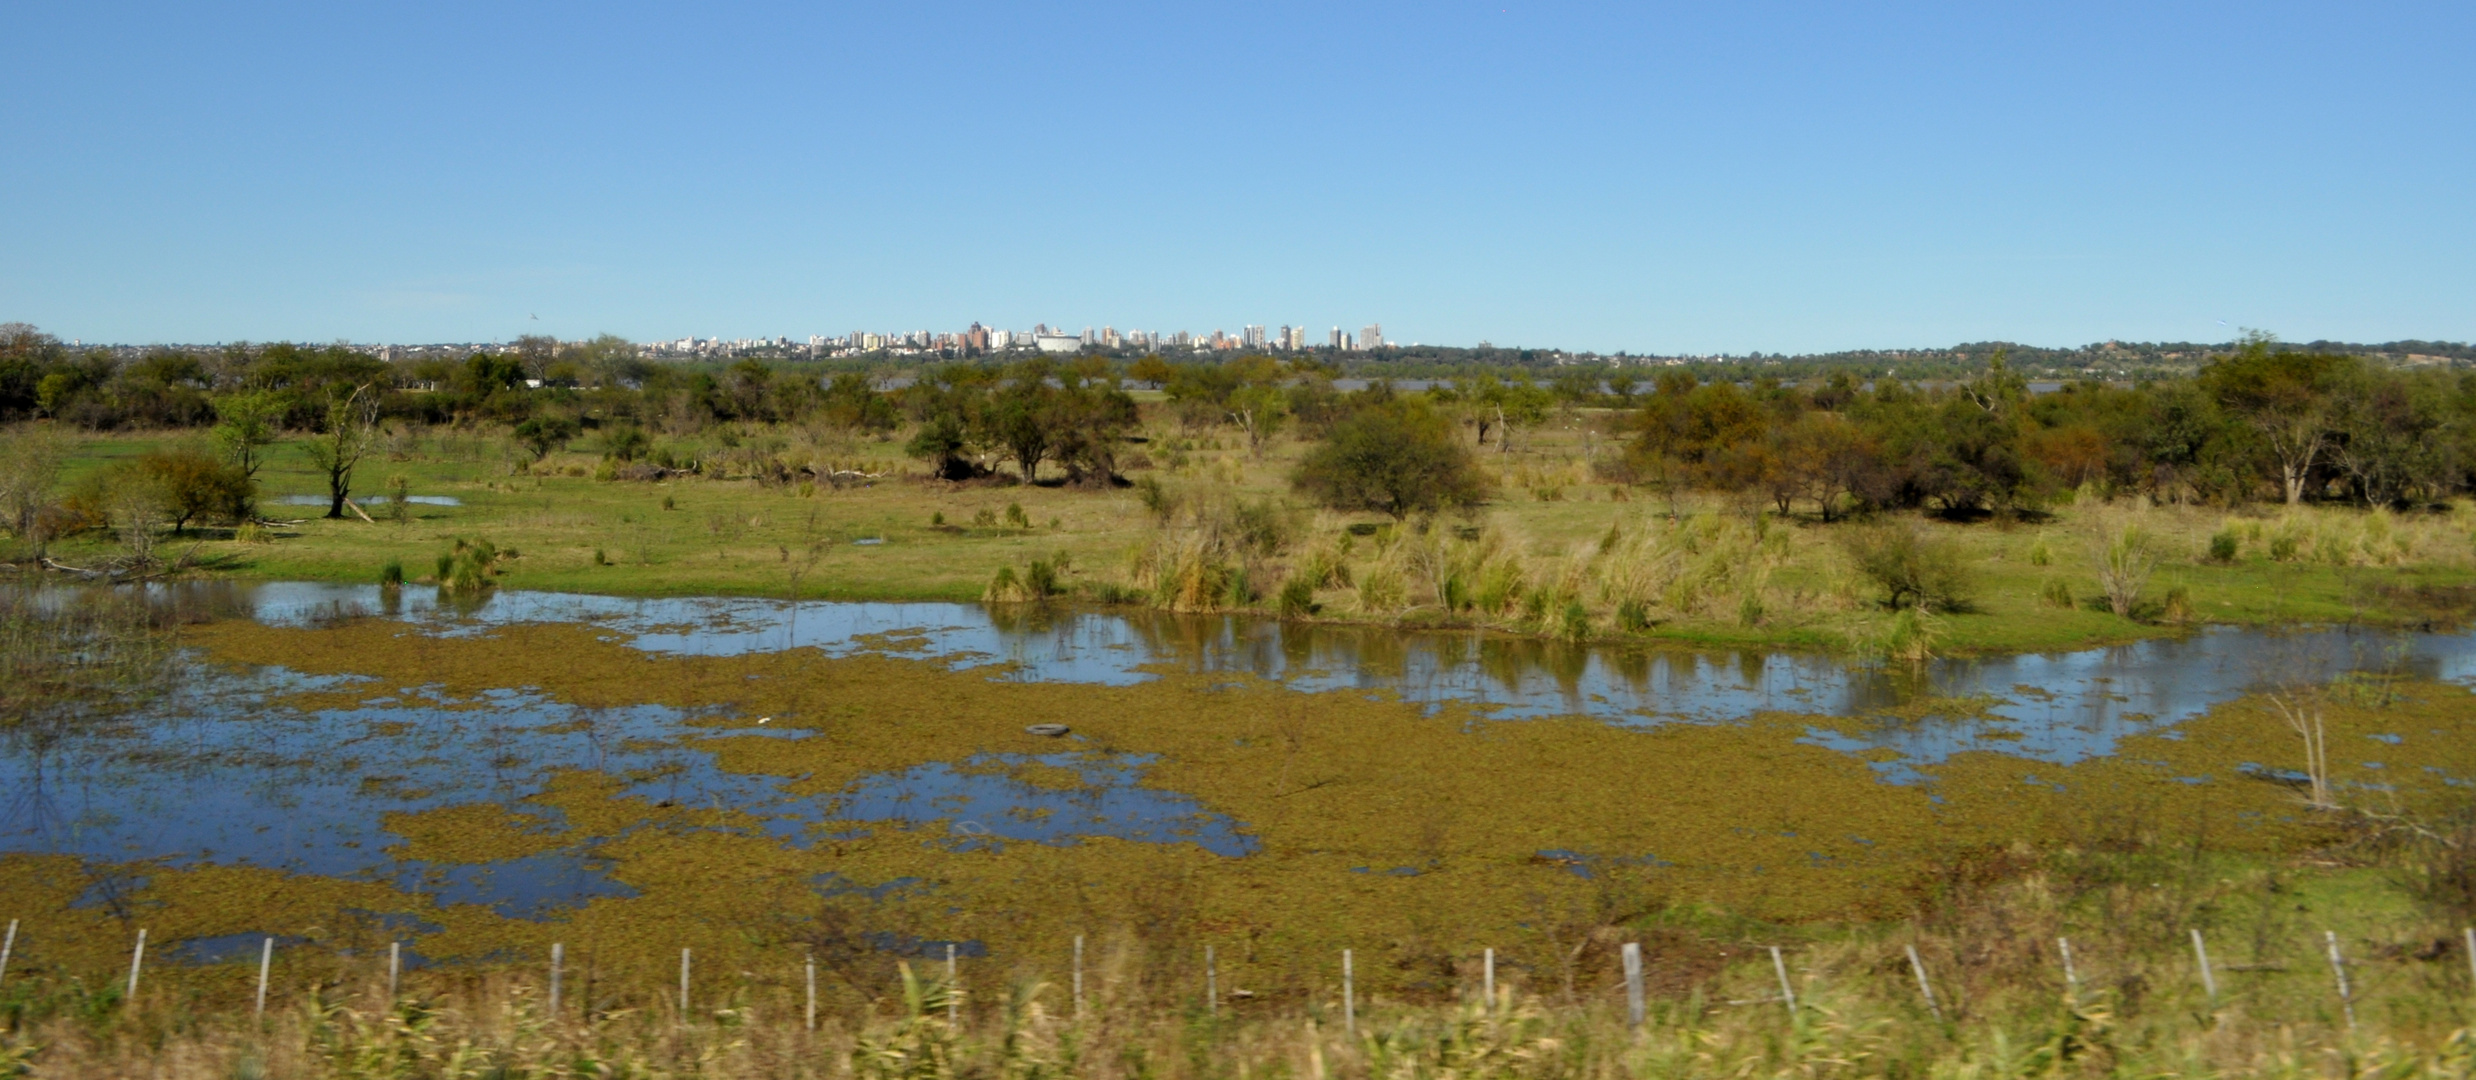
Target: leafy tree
x=2285 y=398
x=192 y=483
x=543 y=434
x=1398 y=457
x=248 y=425
x=1153 y=370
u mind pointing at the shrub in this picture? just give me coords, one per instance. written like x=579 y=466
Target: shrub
x=2039 y=554
x=2124 y=563
x=2283 y=547
x=1633 y=615
x=669 y=503
x=1016 y=518
x=2056 y=594
x=1576 y=621
x=391 y=575
x=1297 y=598
x=2223 y=546
x=2178 y=606
x=250 y=532
x=1399 y=457
x=1910 y=567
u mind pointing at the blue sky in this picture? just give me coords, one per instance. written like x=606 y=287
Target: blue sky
x=1655 y=178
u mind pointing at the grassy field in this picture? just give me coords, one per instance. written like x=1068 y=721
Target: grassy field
x=1705 y=569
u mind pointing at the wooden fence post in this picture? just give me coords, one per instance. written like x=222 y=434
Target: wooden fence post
x=1633 y=983
x=1924 y=987
x=558 y=958
x=2338 y=967
x=1349 y=997
x=2209 y=980
x=137 y=958
x=1780 y=967
x=266 y=964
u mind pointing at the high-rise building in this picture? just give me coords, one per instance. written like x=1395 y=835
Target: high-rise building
x=1336 y=342
x=1251 y=337
x=1371 y=338
x=1109 y=336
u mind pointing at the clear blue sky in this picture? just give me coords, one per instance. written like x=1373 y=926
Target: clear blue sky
x=1656 y=178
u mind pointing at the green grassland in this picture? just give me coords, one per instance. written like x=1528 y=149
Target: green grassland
x=1715 y=570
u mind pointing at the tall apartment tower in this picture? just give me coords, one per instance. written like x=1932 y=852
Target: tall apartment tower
x=1336 y=341
x=1372 y=337
x=1251 y=336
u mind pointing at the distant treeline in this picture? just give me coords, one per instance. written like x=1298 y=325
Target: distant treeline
x=2259 y=420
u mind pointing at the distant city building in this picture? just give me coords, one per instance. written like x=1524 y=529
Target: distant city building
x=1338 y=342
x=1057 y=343
x=1251 y=337
x=1372 y=337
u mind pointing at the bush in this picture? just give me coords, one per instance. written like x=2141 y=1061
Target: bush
x=391 y=576
x=2124 y=563
x=1633 y=615
x=1576 y=621
x=2056 y=594
x=2223 y=546
x=1910 y=567
x=1297 y=598
x=1398 y=457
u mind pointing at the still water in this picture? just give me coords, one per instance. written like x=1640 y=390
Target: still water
x=214 y=773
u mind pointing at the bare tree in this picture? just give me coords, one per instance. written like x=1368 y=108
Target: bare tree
x=2300 y=705
x=351 y=424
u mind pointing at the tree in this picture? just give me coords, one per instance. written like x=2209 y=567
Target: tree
x=1397 y=457
x=543 y=434
x=1153 y=370
x=190 y=483
x=350 y=421
x=2284 y=397
x=1259 y=409
x=30 y=460
x=250 y=423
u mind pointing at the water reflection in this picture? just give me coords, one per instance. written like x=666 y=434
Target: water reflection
x=2060 y=707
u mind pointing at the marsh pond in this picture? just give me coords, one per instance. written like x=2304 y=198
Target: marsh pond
x=336 y=767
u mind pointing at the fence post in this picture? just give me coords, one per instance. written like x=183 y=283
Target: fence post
x=1633 y=982
x=1781 y=967
x=1212 y=984
x=1488 y=981
x=812 y=992
x=2338 y=967
x=2209 y=981
x=954 y=989
x=558 y=954
x=2467 y=932
x=395 y=969
x=1078 y=976
x=9 y=944
x=1349 y=997
x=266 y=963
x=683 y=986
x=137 y=957
x=2071 y=978
x=1924 y=987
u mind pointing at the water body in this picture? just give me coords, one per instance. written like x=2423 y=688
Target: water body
x=374 y=500
x=214 y=774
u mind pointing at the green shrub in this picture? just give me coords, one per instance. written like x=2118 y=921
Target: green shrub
x=1016 y=518
x=1576 y=621
x=2282 y=548
x=1633 y=615
x=1297 y=598
x=2056 y=594
x=1910 y=567
x=391 y=575
x=2223 y=546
